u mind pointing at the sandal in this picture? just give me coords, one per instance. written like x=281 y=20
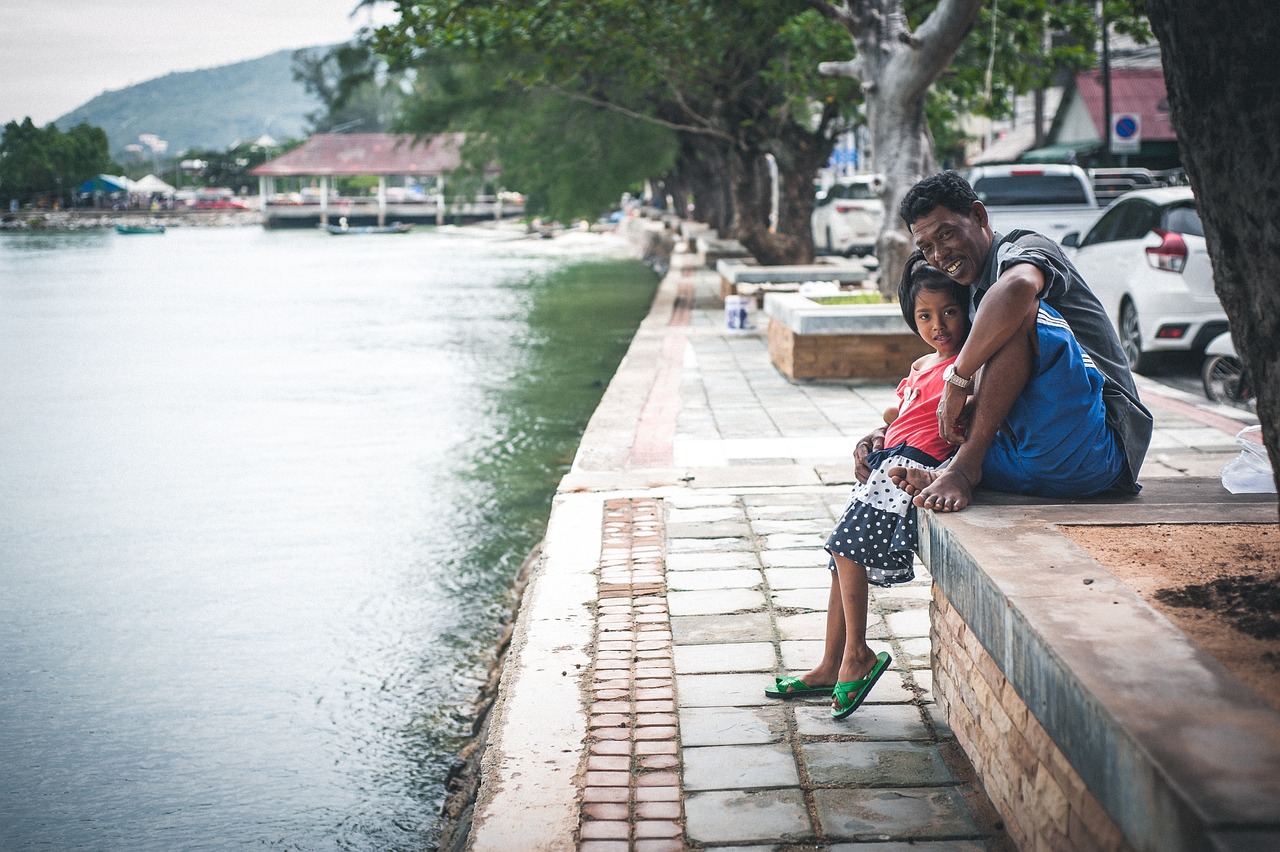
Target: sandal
x=793 y=687
x=851 y=693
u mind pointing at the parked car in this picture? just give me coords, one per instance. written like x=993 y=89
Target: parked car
x=1053 y=199
x=846 y=218
x=1146 y=260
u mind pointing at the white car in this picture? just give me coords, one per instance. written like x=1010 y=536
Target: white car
x=1146 y=260
x=846 y=218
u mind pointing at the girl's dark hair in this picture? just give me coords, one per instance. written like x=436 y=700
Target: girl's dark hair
x=918 y=275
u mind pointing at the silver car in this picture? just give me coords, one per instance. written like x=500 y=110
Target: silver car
x=1146 y=260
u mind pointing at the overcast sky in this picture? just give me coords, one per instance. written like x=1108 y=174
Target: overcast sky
x=57 y=54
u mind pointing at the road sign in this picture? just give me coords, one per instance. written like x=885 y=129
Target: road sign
x=1126 y=133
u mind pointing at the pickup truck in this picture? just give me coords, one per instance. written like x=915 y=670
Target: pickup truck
x=1051 y=199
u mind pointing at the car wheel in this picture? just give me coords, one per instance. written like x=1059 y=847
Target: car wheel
x=1221 y=375
x=1131 y=340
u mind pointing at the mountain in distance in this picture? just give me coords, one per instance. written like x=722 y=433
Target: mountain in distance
x=212 y=108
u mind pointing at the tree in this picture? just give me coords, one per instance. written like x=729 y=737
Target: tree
x=1221 y=74
x=355 y=89
x=900 y=67
x=734 y=80
x=43 y=164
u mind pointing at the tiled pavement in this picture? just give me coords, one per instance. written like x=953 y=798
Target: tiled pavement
x=710 y=483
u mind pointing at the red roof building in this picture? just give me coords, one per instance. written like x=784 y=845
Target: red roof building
x=354 y=154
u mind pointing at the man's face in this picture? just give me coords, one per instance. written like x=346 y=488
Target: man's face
x=954 y=242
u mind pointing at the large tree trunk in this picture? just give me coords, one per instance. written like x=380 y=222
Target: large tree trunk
x=1221 y=72
x=703 y=173
x=792 y=240
x=896 y=68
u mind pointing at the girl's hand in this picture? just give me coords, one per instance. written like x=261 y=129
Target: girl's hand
x=862 y=449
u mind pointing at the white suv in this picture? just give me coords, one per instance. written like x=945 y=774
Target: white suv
x=846 y=218
x=1146 y=261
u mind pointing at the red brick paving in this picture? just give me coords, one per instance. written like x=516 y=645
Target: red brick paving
x=631 y=793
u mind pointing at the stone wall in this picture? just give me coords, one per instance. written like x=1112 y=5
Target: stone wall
x=1041 y=798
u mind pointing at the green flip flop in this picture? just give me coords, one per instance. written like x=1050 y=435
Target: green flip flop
x=851 y=693
x=794 y=687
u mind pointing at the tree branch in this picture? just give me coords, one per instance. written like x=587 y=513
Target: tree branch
x=640 y=116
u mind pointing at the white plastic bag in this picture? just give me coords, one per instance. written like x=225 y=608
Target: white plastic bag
x=1249 y=472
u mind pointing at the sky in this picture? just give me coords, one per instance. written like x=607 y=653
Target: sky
x=57 y=54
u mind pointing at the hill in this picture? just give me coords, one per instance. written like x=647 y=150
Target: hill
x=210 y=108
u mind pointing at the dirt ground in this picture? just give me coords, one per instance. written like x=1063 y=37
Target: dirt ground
x=1220 y=583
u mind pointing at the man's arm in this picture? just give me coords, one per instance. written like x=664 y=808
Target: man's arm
x=999 y=316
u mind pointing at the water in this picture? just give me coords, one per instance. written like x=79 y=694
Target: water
x=262 y=495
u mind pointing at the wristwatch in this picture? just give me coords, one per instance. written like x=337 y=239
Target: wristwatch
x=951 y=377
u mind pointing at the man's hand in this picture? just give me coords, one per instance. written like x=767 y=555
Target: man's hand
x=864 y=447
x=954 y=410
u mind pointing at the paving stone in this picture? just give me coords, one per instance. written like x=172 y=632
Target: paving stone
x=724 y=657
x=802 y=598
x=706 y=545
x=717 y=601
x=739 y=767
x=870 y=721
x=728 y=578
x=918 y=651
x=808 y=625
x=736 y=528
x=806 y=577
x=875 y=764
x=702 y=726
x=905 y=814
x=790 y=541
x=710 y=629
x=721 y=690
x=709 y=561
x=917 y=846
x=737 y=816
x=703 y=514
x=910 y=624
x=804 y=527
x=804 y=557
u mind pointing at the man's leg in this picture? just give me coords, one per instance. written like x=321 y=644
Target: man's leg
x=1000 y=382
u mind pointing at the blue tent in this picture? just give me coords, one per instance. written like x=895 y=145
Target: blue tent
x=105 y=183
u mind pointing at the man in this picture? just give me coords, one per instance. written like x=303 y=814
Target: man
x=1054 y=410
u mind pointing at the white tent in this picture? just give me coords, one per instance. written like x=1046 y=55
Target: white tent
x=152 y=185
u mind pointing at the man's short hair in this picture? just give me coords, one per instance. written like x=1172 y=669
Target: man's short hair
x=944 y=189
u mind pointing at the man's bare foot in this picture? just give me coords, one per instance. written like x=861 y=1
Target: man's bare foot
x=946 y=490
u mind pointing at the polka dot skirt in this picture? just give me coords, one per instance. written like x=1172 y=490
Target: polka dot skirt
x=878 y=528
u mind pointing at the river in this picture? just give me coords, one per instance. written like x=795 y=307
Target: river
x=262 y=497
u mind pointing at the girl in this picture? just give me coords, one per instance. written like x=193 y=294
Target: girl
x=875 y=540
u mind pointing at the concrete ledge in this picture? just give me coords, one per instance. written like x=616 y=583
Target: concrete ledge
x=802 y=315
x=713 y=249
x=1178 y=751
x=738 y=276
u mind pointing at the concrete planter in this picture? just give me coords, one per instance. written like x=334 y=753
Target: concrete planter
x=747 y=278
x=809 y=340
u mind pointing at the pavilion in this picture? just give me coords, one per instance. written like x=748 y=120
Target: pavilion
x=326 y=156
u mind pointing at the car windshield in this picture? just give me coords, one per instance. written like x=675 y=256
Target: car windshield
x=1030 y=189
x=854 y=190
x=1184 y=220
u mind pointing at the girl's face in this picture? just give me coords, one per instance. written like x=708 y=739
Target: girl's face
x=941 y=321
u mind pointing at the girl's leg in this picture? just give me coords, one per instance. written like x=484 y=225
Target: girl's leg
x=857 y=658
x=824 y=674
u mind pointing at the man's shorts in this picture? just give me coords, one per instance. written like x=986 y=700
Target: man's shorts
x=1056 y=442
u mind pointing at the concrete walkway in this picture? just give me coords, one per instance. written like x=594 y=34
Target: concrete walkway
x=682 y=571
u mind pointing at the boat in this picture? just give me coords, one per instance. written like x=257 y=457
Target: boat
x=343 y=228
x=139 y=229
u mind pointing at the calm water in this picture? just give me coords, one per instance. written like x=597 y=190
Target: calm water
x=262 y=495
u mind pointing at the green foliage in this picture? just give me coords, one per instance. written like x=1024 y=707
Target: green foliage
x=230 y=167
x=739 y=73
x=43 y=164
x=570 y=158
x=355 y=90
